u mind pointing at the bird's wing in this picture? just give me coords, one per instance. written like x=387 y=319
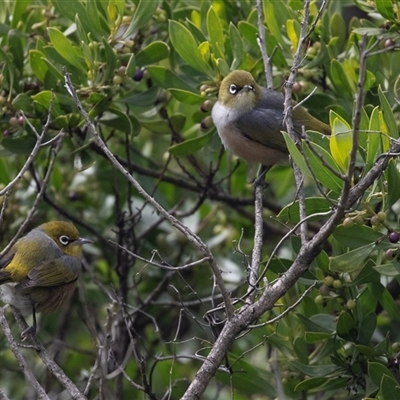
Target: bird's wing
x=51 y=273
x=6 y=259
x=264 y=123
x=5 y=276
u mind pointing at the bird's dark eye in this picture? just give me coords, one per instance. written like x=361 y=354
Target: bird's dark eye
x=64 y=240
x=233 y=89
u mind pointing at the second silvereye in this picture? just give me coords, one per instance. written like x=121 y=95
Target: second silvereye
x=40 y=271
x=249 y=119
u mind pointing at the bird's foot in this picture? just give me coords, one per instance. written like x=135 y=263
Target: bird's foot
x=30 y=331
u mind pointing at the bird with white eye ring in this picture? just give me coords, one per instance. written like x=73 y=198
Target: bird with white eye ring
x=40 y=271
x=249 y=120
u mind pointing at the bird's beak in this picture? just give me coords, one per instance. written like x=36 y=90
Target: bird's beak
x=249 y=88
x=81 y=241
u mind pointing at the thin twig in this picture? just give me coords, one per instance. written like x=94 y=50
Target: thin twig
x=20 y=359
x=191 y=236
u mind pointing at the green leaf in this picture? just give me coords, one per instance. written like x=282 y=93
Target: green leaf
x=291 y=213
x=215 y=33
x=338 y=29
x=4 y=175
x=64 y=47
x=352 y=260
x=373 y=140
x=167 y=79
x=140 y=99
x=15 y=39
x=341 y=143
x=293 y=32
x=111 y=63
x=388 y=114
x=367 y=328
x=346 y=327
x=356 y=236
x=385 y=8
x=69 y=9
x=44 y=98
x=8 y=70
x=376 y=371
x=321 y=172
x=386 y=300
x=20 y=6
x=252 y=380
x=19 y=145
x=296 y=155
x=309 y=384
x=340 y=79
x=236 y=43
x=315 y=370
x=250 y=33
x=131 y=66
x=23 y=102
x=190 y=146
x=152 y=53
x=388 y=269
x=187 y=97
x=281 y=13
x=143 y=13
x=38 y=65
x=186 y=46
x=123 y=122
x=322 y=323
x=389 y=387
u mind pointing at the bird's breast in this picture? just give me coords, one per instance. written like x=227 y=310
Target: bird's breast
x=238 y=143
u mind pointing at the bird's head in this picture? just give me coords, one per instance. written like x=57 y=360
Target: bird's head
x=66 y=236
x=239 y=91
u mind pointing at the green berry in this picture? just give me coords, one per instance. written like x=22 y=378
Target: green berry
x=328 y=280
x=359 y=220
x=348 y=222
x=337 y=284
x=351 y=304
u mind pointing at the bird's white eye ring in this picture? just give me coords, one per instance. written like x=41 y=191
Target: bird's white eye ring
x=233 y=89
x=64 y=240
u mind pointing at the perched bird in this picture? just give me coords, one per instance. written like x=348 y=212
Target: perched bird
x=249 y=119
x=40 y=271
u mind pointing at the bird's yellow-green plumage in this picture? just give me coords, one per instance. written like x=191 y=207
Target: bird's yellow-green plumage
x=41 y=270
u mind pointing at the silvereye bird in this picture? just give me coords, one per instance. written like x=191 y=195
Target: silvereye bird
x=249 y=119
x=41 y=270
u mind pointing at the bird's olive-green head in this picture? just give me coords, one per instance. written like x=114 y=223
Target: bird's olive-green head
x=239 y=91
x=66 y=236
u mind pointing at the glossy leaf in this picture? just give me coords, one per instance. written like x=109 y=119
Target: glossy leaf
x=352 y=260
x=321 y=172
x=314 y=205
x=152 y=53
x=341 y=142
x=296 y=155
x=143 y=13
x=215 y=32
x=187 y=97
x=186 y=46
x=388 y=115
x=236 y=43
x=64 y=47
x=190 y=146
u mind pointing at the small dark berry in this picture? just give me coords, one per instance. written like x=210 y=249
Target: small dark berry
x=394 y=237
x=138 y=76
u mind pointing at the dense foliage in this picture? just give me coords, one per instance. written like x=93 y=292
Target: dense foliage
x=149 y=308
